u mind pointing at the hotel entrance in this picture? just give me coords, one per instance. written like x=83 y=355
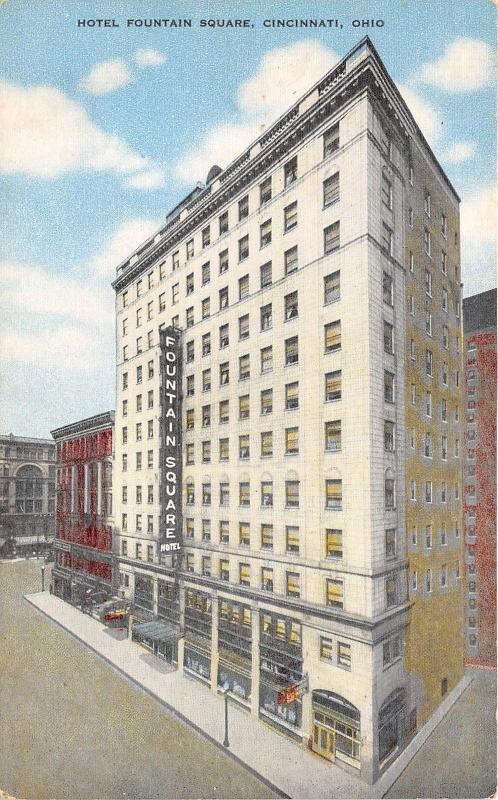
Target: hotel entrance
x=336 y=728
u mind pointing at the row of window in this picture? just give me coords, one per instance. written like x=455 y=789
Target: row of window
x=427 y=495
x=330 y=195
x=428 y=578
x=138 y=431
x=428 y=535
x=333 y=493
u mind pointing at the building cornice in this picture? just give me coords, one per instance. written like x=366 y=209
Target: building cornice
x=337 y=88
x=89 y=425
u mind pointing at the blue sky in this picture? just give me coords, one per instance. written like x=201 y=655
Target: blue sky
x=105 y=129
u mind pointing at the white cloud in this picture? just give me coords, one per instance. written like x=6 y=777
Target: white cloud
x=152 y=179
x=126 y=238
x=65 y=321
x=106 y=77
x=466 y=65
x=427 y=116
x=282 y=76
x=479 y=219
x=148 y=58
x=458 y=152
x=45 y=134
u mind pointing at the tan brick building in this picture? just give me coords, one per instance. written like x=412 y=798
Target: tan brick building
x=316 y=285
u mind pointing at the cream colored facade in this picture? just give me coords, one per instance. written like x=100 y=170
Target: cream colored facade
x=307 y=530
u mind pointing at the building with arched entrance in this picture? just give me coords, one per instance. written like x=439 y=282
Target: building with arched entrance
x=27 y=495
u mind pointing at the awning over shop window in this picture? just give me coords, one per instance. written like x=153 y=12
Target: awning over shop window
x=156 y=631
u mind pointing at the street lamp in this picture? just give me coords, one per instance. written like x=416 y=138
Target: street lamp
x=43 y=577
x=224 y=692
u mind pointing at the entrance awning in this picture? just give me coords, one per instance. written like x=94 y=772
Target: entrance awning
x=156 y=631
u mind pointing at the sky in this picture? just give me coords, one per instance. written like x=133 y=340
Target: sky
x=104 y=129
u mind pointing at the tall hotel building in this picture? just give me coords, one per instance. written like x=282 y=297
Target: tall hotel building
x=315 y=285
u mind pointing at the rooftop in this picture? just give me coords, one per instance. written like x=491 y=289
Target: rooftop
x=479 y=311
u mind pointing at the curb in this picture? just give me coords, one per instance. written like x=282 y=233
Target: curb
x=177 y=714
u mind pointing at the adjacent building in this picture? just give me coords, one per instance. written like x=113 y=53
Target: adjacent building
x=300 y=316
x=479 y=322
x=83 y=538
x=27 y=495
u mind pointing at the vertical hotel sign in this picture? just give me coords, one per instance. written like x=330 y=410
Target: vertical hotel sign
x=170 y=530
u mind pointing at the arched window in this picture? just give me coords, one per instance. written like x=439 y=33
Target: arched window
x=29 y=489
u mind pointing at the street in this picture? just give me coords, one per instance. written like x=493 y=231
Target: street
x=72 y=727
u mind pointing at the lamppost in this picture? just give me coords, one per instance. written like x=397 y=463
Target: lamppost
x=43 y=577
x=224 y=692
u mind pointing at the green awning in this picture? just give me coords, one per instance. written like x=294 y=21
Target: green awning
x=156 y=631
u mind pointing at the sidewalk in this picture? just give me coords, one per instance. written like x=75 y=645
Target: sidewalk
x=284 y=766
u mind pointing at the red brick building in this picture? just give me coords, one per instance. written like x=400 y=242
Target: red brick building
x=83 y=533
x=479 y=483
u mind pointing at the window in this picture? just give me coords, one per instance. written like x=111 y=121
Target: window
x=387 y=289
x=243 y=208
x=244 y=368
x=265 y=275
x=139 y=345
x=333 y=494
x=224 y=374
x=224 y=569
x=244 y=538
x=125 y=408
x=206 y=308
x=389 y=494
x=428 y=491
x=267 y=359
x=290 y=171
x=266 y=317
x=335 y=593
x=243 y=287
x=391 y=650
x=150 y=428
x=223 y=298
x=290 y=217
x=428 y=363
x=190 y=492
x=190 y=351
x=223 y=223
x=224 y=449
x=291 y=306
x=428 y=581
x=243 y=248
x=223 y=412
x=291 y=441
x=244 y=494
x=138 y=523
x=428 y=445
x=290 y=260
x=388 y=387
x=206 y=494
x=206 y=380
x=265 y=233
x=333 y=543
x=267 y=579
x=292 y=395
x=428 y=322
x=291 y=351
x=224 y=493
x=267 y=401
x=427 y=241
x=390 y=543
x=138 y=432
x=444 y=413
x=326 y=649
x=267 y=537
x=444 y=448
x=189 y=453
x=388 y=338
x=387 y=239
x=223 y=261
x=389 y=436
x=292 y=494
x=293 y=584
x=344 y=654
x=206 y=344
x=390 y=587
x=244 y=447
x=190 y=317
x=206 y=452
x=427 y=204
x=331 y=238
x=331 y=190
x=125 y=380
x=125 y=299
x=444 y=225
x=331 y=140
x=333 y=336
x=266 y=444
x=266 y=494
x=292 y=539
x=175 y=260
x=387 y=192
x=244 y=574
x=265 y=191
x=332 y=287
x=190 y=385
x=333 y=435
x=412 y=262
x=244 y=407
x=224 y=340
